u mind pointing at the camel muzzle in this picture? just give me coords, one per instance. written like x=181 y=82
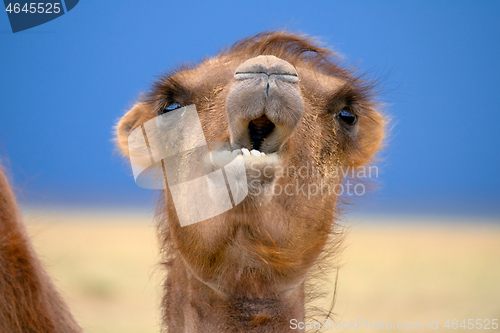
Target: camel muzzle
x=264 y=103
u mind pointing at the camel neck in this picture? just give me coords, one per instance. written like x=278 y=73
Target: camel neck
x=193 y=307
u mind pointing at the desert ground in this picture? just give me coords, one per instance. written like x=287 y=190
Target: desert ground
x=405 y=270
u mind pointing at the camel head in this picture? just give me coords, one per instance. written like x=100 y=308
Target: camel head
x=304 y=118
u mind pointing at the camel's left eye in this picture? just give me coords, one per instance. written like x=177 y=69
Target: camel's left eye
x=171 y=107
x=348 y=116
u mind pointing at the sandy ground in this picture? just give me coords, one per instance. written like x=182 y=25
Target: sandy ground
x=392 y=271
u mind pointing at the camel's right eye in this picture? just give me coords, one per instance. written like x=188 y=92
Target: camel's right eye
x=169 y=108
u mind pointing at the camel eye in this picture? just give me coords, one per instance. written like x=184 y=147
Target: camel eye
x=348 y=116
x=169 y=108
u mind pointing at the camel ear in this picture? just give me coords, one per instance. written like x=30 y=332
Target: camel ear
x=139 y=114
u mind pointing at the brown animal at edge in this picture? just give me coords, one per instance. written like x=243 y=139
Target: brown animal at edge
x=29 y=303
x=286 y=96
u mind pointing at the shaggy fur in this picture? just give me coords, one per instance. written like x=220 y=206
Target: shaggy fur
x=245 y=270
x=29 y=303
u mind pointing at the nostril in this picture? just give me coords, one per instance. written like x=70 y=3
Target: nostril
x=266 y=65
x=259 y=129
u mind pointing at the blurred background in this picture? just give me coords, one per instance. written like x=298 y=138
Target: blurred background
x=424 y=246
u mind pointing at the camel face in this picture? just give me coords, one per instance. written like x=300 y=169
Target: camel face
x=282 y=95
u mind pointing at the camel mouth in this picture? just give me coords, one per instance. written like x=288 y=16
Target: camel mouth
x=259 y=129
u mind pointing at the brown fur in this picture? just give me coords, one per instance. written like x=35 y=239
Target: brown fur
x=29 y=302
x=244 y=270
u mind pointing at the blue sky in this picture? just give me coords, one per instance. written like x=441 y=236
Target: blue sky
x=64 y=84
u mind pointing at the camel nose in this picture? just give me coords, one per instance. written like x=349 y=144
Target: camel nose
x=264 y=103
x=266 y=65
